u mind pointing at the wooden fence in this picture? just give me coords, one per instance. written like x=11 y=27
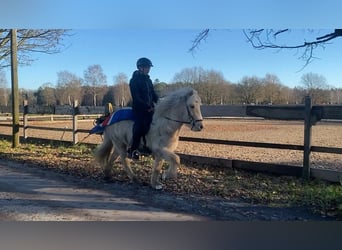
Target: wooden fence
x=310 y=114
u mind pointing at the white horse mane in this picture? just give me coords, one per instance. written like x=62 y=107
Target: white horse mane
x=171 y=100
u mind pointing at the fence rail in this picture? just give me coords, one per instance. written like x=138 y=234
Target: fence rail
x=242 y=143
x=319 y=149
x=331 y=150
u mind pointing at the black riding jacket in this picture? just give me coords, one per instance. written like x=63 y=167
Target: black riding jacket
x=142 y=92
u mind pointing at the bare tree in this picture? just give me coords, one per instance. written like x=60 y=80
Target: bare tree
x=122 y=94
x=313 y=81
x=316 y=86
x=211 y=88
x=3 y=89
x=210 y=84
x=190 y=76
x=68 y=88
x=31 y=40
x=95 y=78
x=249 y=90
x=277 y=39
x=46 y=95
x=335 y=96
x=273 y=90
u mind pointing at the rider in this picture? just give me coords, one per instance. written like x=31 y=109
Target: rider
x=144 y=98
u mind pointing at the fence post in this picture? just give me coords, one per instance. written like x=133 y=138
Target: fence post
x=15 y=90
x=74 y=122
x=307 y=137
x=25 y=123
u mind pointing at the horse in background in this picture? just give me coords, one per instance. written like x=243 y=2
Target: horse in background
x=171 y=113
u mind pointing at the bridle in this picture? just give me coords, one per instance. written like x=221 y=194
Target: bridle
x=192 y=121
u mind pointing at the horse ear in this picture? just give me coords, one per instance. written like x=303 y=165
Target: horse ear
x=190 y=93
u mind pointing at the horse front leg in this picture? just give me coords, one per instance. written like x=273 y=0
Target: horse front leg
x=173 y=159
x=171 y=172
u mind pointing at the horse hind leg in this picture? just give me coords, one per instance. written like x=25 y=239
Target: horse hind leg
x=155 y=176
x=103 y=153
x=108 y=167
x=126 y=165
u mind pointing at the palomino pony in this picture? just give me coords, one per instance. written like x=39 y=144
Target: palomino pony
x=171 y=112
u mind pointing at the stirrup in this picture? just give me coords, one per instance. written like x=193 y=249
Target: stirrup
x=135 y=155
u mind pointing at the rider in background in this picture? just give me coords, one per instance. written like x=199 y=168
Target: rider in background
x=144 y=98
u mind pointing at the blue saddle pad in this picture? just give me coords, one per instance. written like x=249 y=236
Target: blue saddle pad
x=120 y=115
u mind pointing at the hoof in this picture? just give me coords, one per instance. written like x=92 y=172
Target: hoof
x=158 y=187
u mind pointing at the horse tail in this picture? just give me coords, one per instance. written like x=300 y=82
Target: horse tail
x=103 y=151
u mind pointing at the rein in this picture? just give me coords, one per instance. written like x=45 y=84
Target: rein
x=168 y=118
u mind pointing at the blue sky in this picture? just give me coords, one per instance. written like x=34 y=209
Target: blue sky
x=114 y=34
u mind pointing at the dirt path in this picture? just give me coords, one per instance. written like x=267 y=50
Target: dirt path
x=28 y=193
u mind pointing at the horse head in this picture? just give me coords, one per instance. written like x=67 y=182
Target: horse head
x=193 y=106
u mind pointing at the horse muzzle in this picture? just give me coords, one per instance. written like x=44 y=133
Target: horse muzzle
x=197 y=125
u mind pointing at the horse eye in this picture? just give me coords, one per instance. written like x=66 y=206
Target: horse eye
x=192 y=106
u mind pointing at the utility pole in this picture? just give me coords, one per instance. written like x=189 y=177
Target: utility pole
x=15 y=90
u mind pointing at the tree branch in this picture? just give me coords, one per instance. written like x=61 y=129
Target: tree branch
x=200 y=37
x=31 y=41
x=266 y=39
x=260 y=41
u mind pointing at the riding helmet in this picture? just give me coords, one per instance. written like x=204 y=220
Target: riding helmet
x=144 y=62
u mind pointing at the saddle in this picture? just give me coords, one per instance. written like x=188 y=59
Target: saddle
x=111 y=118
